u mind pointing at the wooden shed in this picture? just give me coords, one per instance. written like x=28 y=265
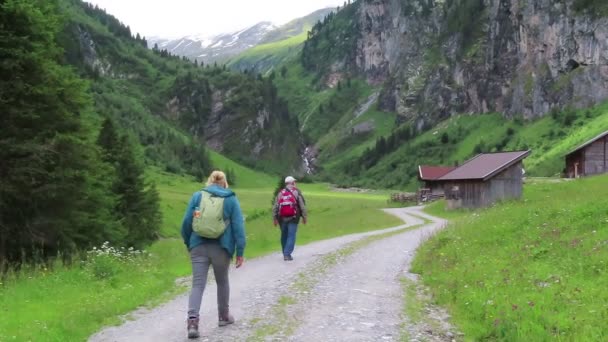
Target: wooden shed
x=588 y=159
x=430 y=175
x=485 y=180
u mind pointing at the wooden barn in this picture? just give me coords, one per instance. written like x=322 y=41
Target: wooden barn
x=588 y=159
x=430 y=175
x=485 y=180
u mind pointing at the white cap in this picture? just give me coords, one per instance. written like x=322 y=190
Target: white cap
x=289 y=179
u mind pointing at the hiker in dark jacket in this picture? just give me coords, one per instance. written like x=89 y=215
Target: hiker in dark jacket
x=218 y=252
x=288 y=208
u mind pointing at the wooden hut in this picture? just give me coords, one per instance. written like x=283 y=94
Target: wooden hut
x=588 y=159
x=430 y=175
x=485 y=179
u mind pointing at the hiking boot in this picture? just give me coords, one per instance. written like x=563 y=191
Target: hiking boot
x=288 y=258
x=285 y=258
x=193 y=328
x=224 y=320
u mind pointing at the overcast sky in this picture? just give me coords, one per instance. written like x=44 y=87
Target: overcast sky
x=176 y=18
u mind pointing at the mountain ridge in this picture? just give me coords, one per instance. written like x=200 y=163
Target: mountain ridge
x=216 y=48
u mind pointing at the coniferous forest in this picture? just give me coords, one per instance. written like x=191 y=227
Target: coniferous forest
x=63 y=186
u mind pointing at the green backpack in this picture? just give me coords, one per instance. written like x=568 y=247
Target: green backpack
x=208 y=220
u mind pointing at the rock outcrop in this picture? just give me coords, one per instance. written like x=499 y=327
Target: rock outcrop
x=511 y=56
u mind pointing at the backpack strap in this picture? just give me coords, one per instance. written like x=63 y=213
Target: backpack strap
x=299 y=210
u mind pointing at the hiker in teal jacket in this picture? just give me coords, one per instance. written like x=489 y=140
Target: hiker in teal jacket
x=218 y=252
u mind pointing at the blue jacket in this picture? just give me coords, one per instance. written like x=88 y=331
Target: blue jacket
x=234 y=236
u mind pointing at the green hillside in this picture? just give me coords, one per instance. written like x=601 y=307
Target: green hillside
x=383 y=146
x=263 y=58
x=165 y=101
x=531 y=270
x=278 y=46
x=393 y=162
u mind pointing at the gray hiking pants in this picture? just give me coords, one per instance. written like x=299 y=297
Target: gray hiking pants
x=203 y=256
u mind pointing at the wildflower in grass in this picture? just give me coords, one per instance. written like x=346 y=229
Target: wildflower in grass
x=107 y=261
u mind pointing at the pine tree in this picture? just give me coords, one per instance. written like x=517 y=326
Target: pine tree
x=280 y=186
x=52 y=186
x=137 y=204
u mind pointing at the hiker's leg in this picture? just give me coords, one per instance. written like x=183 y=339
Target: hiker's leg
x=292 y=229
x=284 y=234
x=220 y=259
x=200 y=268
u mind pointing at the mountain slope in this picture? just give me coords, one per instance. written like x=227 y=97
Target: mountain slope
x=214 y=49
x=278 y=45
x=173 y=107
x=434 y=59
x=423 y=62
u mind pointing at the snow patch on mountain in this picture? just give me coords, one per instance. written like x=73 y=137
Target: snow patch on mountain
x=218 y=48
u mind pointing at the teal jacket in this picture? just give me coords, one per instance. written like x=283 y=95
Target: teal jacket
x=233 y=238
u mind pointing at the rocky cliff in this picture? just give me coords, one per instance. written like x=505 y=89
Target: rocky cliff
x=517 y=57
x=158 y=97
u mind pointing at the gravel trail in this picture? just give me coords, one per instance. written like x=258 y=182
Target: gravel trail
x=361 y=299
x=358 y=300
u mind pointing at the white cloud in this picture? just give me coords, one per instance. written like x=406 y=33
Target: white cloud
x=177 y=18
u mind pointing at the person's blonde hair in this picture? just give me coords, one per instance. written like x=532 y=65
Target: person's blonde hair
x=219 y=178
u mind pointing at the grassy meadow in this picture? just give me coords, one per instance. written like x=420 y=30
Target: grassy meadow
x=69 y=303
x=461 y=137
x=533 y=270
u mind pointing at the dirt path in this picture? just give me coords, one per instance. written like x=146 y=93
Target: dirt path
x=358 y=299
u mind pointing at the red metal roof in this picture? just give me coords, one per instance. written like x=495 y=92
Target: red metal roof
x=485 y=165
x=433 y=172
x=589 y=142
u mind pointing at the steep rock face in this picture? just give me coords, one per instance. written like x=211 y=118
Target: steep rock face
x=524 y=57
x=240 y=117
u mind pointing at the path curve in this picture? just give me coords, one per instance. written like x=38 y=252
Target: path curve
x=257 y=286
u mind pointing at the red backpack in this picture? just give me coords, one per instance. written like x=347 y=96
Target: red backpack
x=288 y=204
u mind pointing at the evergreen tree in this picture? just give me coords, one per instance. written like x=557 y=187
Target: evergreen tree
x=280 y=186
x=137 y=206
x=52 y=186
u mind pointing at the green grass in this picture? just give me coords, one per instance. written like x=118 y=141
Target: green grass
x=532 y=270
x=340 y=145
x=438 y=208
x=275 y=48
x=549 y=138
x=67 y=304
x=245 y=177
x=265 y=57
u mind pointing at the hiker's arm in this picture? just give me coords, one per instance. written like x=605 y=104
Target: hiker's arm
x=238 y=227
x=187 y=222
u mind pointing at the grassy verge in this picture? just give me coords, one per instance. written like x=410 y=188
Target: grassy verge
x=533 y=270
x=438 y=209
x=70 y=303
